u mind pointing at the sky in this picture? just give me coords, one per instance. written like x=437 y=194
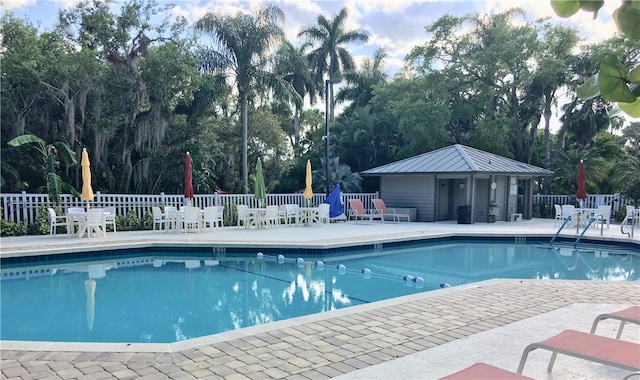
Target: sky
x=395 y=25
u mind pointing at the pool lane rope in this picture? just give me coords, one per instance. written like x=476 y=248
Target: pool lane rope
x=409 y=280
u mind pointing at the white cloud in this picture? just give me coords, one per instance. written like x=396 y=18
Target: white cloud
x=11 y=5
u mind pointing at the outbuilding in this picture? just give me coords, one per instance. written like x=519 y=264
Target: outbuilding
x=460 y=182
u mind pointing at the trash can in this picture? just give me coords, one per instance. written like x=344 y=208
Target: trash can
x=464 y=214
x=493 y=211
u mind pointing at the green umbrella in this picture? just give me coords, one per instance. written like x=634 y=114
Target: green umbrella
x=260 y=191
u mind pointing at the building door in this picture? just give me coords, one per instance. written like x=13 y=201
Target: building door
x=444 y=208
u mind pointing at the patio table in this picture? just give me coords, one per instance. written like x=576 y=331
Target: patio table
x=174 y=220
x=257 y=217
x=309 y=215
x=581 y=217
x=78 y=217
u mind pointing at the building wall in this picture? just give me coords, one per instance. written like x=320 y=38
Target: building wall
x=410 y=191
x=438 y=198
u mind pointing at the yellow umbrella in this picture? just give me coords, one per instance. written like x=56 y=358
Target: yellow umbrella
x=90 y=290
x=87 y=191
x=308 y=191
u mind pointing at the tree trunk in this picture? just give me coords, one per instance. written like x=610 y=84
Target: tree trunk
x=244 y=140
x=547 y=141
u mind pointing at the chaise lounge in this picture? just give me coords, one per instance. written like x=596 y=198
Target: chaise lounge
x=482 y=371
x=628 y=315
x=357 y=211
x=599 y=349
x=382 y=209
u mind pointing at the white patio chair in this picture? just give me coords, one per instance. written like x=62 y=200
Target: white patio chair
x=603 y=215
x=243 y=216
x=220 y=216
x=173 y=218
x=271 y=218
x=323 y=213
x=293 y=214
x=191 y=219
x=282 y=214
x=56 y=221
x=567 y=211
x=74 y=222
x=96 y=225
x=158 y=218
x=110 y=217
x=212 y=217
x=558 y=216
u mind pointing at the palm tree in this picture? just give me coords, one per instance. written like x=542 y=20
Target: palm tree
x=292 y=65
x=360 y=83
x=340 y=173
x=330 y=57
x=244 y=43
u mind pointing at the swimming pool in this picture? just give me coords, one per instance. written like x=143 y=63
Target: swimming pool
x=171 y=295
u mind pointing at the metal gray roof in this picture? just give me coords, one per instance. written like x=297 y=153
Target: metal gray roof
x=458 y=159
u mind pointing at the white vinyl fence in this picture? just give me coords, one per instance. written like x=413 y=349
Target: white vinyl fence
x=23 y=207
x=543 y=204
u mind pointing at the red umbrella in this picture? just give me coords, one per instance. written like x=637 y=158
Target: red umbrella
x=582 y=183
x=188 y=185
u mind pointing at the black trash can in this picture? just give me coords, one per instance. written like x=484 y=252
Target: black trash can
x=464 y=214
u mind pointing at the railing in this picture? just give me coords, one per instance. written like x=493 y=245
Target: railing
x=543 y=204
x=24 y=207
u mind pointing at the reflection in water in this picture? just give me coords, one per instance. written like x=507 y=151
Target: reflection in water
x=172 y=298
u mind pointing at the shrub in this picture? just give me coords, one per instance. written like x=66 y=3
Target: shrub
x=147 y=221
x=8 y=228
x=41 y=225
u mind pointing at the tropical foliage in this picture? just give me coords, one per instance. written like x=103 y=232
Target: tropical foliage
x=614 y=81
x=139 y=87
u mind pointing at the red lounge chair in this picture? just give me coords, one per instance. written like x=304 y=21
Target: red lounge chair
x=599 y=349
x=481 y=371
x=382 y=209
x=628 y=315
x=357 y=211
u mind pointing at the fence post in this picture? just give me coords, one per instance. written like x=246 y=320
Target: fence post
x=25 y=212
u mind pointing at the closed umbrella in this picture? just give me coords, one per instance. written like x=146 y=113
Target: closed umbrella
x=260 y=190
x=87 y=191
x=188 y=178
x=581 y=194
x=308 y=181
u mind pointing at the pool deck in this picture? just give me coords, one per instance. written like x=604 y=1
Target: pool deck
x=422 y=336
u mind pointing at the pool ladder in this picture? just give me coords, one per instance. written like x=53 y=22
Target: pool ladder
x=586 y=228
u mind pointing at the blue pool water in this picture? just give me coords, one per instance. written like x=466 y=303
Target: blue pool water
x=164 y=296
